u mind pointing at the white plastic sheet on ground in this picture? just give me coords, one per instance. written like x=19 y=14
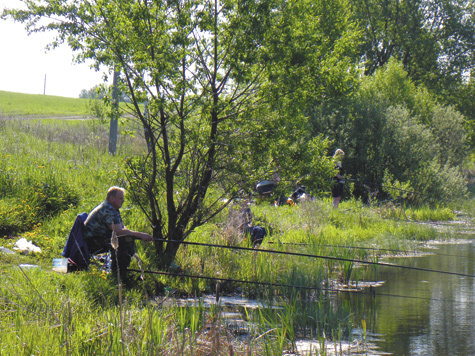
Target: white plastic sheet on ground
x=25 y=246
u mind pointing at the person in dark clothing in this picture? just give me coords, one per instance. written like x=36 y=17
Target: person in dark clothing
x=337 y=189
x=105 y=219
x=299 y=193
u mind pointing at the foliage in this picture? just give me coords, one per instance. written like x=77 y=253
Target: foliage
x=97 y=109
x=447 y=127
x=93 y=93
x=312 y=54
x=432 y=39
x=396 y=190
x=463 y=100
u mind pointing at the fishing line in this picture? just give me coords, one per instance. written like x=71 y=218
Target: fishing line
x=370 y=293
x=318 y=256
x=339 y=246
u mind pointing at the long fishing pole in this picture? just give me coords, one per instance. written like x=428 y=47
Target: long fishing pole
x=361 y=248
x=282 y=285
x=318 y=256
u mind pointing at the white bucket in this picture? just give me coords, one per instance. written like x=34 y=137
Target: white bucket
x=60 y=265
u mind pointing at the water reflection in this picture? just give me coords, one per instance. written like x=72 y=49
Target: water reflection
x=423 y=313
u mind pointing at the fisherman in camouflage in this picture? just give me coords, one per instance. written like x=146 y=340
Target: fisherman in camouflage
x=105 y=219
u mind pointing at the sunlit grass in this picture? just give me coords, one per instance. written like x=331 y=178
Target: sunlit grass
x=17 y=104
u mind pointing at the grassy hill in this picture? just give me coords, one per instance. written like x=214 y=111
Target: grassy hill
x=17 y=105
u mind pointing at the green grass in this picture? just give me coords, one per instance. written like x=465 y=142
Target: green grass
x=84 y=314
x=27 y=105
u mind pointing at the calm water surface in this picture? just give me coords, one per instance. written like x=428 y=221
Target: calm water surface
x=423 y=313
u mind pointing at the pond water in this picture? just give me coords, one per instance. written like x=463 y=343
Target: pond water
x=411 y=312
x=418 y=312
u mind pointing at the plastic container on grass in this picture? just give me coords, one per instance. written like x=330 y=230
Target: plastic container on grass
x=60 y=265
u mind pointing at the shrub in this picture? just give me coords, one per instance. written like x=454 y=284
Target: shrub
x=439 y=184
x=393 y=126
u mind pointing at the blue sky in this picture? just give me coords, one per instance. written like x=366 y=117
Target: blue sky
x=24 y=63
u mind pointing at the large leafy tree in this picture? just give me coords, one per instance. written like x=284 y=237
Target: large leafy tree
x=195 y=64
x=434 y=39
x=227 y=85
x=312 y=59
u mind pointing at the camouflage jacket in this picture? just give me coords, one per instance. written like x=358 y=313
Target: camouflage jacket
x=98 y=221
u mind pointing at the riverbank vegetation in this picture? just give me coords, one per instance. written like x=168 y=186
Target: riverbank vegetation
x=47 y=179
x=220 y=96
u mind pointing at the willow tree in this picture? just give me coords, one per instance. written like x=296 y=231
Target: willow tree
x=195 y=64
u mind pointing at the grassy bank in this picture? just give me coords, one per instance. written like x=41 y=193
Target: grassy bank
x=51 y=170
x=20 y=105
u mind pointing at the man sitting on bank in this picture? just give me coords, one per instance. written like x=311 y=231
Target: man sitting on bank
x=99 y=225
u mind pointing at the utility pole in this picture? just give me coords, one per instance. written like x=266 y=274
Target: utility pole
x=44 y=86
x=114 y=124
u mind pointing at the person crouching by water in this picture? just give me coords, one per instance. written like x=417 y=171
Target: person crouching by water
x=337 y=188
x=99 y=225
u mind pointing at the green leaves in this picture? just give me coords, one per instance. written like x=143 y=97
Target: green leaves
x=399 y=133
x=433 y=39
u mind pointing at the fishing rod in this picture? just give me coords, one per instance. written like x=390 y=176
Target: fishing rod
x=361 y=248
x=371 y=292
x=317 y=256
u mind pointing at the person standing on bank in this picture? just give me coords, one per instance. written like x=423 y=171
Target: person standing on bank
x=337 y=189
x=99 y=225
